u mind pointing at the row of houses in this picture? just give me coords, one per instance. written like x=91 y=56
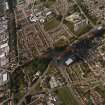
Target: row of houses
x=4 y=51
x=4 y=47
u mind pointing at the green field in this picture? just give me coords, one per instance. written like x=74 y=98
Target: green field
x=50 y=24
x=101 y=91
x=49 y=3
x=66 y=96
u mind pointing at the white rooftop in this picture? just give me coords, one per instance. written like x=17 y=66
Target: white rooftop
x=69 y=61
x=4 y=45
x=5 y=77
x=2 y=55
x=7 y=6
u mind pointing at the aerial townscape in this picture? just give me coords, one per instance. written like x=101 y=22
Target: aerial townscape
x=52 y=52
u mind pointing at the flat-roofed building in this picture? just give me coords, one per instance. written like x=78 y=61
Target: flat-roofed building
x=4 y=80
x=4 y=50
x=6 y=5
x=4 y=47
x=4 y=77
x=69 y=61
x=3 y=61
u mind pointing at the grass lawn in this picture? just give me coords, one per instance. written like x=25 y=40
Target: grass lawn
x=36 y=89
x=66 y=96
x=101 y=91
x=85 y=69
x=83 y=30
x=70 y=25
x=50 y=24
x=49 y=2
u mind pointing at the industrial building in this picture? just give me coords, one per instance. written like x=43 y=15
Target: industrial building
x=4 y=51
x=3 y=78
x=4 y=47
